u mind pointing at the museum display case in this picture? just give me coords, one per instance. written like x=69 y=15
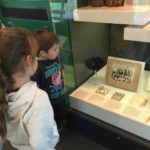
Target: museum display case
x=124 y=109
x=103 y=111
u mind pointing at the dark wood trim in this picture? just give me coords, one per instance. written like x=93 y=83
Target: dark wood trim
x=108 y=135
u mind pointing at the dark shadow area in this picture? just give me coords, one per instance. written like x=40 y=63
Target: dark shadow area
x=70 y=140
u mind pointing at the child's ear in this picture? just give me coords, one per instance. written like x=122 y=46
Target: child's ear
x=43 y=53
x=28 y=59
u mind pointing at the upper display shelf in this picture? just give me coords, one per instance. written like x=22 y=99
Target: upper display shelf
x=137 y=33
x=127 y=14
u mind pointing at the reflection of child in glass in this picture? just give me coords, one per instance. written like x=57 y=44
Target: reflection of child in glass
x=49 y=75
x=26 y=115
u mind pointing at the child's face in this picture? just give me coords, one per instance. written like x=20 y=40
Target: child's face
x=53 y=52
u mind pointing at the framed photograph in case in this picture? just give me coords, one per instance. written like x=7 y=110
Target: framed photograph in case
x=124 y=73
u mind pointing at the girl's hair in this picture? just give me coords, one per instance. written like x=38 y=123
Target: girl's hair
x=45 y=39
x=15 y=45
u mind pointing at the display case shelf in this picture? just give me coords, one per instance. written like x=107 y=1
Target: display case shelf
x=132 y=116
x=137 y=33
x=127 y=14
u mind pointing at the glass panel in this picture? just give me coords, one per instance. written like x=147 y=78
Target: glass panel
x=60 y=18
x=139 y=51
x=29 y=23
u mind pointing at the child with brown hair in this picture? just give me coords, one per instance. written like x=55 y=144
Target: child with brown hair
x=49 y=75
x=26 y=115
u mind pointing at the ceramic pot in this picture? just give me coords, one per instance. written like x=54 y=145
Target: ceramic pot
x=114 y=3
x=97 y=3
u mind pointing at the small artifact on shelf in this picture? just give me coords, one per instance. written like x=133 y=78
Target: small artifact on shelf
x=144 y=103
x=140 y=101
x=117 y=96
x=114 y=3
x=97 y=3
x=102 y=90
x=94 y=63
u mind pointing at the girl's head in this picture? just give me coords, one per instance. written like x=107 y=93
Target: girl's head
x=17 y=55
x=18 y=50
x=48 y=44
